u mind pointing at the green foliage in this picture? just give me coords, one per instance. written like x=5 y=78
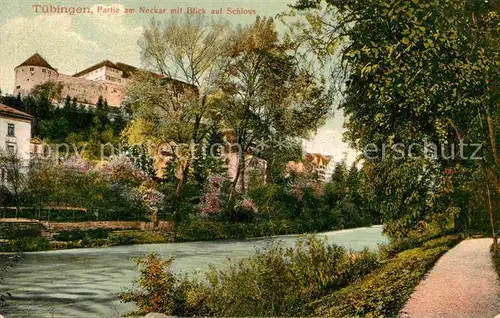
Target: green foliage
x=113 y=190
x=72 y=124
x=414 y=71
x=385 y=291
x=102 y=237
x=136 y=237
x=27 y=244
x=274 y=282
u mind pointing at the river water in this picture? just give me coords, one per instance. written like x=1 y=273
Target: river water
x=85 y=282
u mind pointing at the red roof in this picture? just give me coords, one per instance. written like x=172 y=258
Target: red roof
x=317 y=158
x=9 y=111
x=36 y=60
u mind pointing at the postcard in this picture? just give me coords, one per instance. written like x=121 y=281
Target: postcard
x=251 y=158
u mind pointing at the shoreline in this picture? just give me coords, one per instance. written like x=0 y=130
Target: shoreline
x=250 y=238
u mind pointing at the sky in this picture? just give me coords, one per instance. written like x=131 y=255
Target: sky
x=72 y=43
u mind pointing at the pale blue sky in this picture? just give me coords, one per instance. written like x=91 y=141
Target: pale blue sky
x=72 y=43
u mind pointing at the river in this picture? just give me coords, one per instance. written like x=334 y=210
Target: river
x=85 y=282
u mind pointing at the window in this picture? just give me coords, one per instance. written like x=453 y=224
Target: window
x=11 y=130
x=32 y=69
x=11 y=149
x=50 y=72
x=44 y=70
x=18 y=86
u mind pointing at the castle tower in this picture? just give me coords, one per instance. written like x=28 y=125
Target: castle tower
x=32 y=72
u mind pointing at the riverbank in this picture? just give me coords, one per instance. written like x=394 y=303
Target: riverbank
x=77 y=235
x=86 y=282
x=311 y=279
x=76 y=238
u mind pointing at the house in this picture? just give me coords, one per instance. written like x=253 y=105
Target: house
x=314 y=164
x=15 y=136
x=319 y=164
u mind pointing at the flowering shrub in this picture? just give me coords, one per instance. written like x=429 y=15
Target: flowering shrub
x=120 y=169
x=316 y=188
x=297 y=191
x=108 y=190
x=246 y=205
x=211 y=202
x=152 y=198
x=77 y=164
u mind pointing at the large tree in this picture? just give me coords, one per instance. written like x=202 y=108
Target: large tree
x=177 y=107
x=268 y=96
x=414 y=71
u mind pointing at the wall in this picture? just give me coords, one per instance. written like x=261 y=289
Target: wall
x=119 y=225
x=27 y=79
x=22 y=137
x=79 y=87
x=105 y=74
x=86 y=90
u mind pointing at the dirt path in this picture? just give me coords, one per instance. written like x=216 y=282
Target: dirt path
x=463 y=283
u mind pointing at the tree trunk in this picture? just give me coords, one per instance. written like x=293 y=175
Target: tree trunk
x=492 y=219
x=493 y=143
x=239 y=171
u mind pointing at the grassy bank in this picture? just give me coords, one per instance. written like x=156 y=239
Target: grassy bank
x=384 y=292
x=84 y=239
x=208 y=230
x=311 y=279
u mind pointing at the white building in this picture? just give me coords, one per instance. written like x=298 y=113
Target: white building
x=15 y=135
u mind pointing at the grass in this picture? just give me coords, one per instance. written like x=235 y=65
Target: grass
x=385 y=291
x=311 y=279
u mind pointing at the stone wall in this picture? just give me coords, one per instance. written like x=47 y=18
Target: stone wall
x=89 y=91
x=27 y=77
x=111 y=225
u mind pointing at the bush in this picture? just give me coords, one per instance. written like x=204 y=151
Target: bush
x=136 y=237
x=274 y=282
x=385 y=291
x=27 y=244
x=200 y=230
x=281 y=282
x=72 y=235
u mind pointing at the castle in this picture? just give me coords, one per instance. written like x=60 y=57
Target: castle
x=104 y=79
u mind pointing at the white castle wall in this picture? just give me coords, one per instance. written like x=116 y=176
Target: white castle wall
x=107 y=74
x=27 y=77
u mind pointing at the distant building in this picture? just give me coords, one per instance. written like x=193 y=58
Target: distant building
x=319 y=164
x=314 y=164
x=104 y=79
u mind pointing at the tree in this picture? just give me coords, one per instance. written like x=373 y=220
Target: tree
x=178 y=108
x=415 y=71
x=12 y=167
x=266 y=94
